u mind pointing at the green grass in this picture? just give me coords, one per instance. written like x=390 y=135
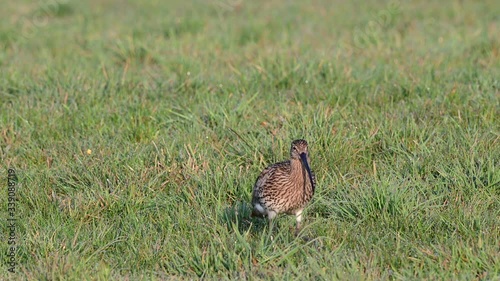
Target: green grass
x=137 y=130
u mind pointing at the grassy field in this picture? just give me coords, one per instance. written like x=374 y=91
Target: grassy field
x=137 y=129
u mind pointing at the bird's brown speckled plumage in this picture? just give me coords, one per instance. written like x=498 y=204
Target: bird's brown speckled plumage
x=285 y=187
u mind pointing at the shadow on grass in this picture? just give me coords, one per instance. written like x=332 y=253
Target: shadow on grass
x=239 y=215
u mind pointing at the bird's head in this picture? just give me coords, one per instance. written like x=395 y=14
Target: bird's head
x=299 y=151
x=299 y=148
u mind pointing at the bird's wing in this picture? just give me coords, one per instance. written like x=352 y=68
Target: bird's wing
x=259 y=184
x=271 y=171
x=263 y=177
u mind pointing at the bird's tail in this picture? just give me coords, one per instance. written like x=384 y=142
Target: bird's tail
x=256 y=213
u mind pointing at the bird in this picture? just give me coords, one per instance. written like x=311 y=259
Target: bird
x=285 y=187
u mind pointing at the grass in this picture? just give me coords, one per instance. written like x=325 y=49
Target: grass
x=137 y=129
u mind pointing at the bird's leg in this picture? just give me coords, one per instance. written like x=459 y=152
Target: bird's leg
x=271 y=215
x=298 y=217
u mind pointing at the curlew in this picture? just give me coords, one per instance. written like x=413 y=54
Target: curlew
x=285 y=187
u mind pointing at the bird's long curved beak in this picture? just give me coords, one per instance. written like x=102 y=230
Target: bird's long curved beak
x=303 y=156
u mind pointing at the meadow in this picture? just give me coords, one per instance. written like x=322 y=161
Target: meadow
x=136 y=130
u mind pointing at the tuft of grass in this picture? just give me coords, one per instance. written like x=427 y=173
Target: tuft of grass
x=137 y=132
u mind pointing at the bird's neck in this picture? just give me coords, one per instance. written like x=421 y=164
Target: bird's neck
x=299 y=172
